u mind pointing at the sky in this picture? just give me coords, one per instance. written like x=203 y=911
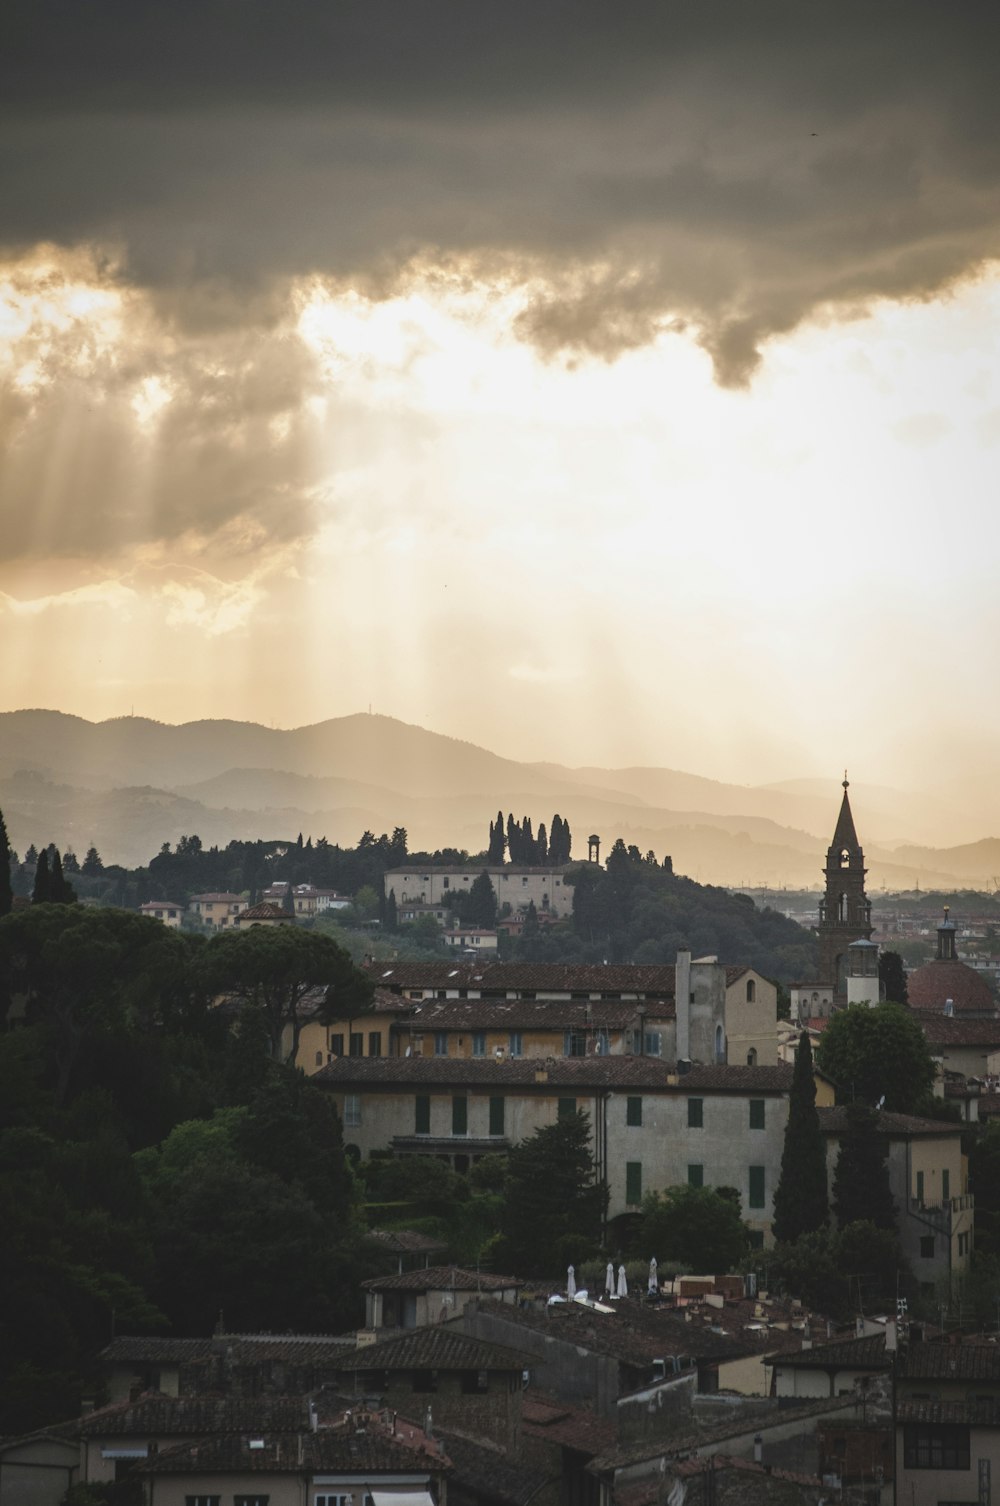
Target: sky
x=604 y=384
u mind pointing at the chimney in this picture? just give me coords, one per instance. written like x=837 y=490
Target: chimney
x=682 y=1003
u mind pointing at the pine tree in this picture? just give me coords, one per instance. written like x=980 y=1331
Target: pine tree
x=6 y=892
x=800 y=1199
x=42 y=892
x=31 y=856
x=861 y=1190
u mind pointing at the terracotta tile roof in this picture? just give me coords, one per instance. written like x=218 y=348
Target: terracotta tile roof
x=551 y=977
x=984 y=1414
x=328 y=1449
x=142 y=1350
x=896 y=1126
x=157 y=1415
x=867 y=1353
x=440 y=1278
x=989 y=1105
x=265 y=911
x=760 y=1420
x=576 y=1428
x=489 y=1471
x=977 y=1362
x=945 y=1030
x=229 y=899
x=434 y=1348
x=406 y=1241
x=581 y=1073
x=530 y=1014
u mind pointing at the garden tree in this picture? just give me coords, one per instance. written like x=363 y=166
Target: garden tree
x=876 y=1052
x=892 y=977
x=414 y=1187
x=800 y=1198
x=272 y=968
x=70 y=862
x=6 y=891
x=554 y=1205
x=698 y=1227
x=861 y=1191
x=391 y=920
x=366 y=902
x=825 y=1269
x=292 y=1128
x=89 y=974
x=41 y=890
x=481 y=905
x=31 y=856
x=288 y=898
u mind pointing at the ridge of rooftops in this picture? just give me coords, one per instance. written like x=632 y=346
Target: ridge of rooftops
x=638 y=979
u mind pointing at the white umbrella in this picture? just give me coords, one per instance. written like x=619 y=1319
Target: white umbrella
x=654 y=1283
x=570 y=1283
x=622 y=1283
x=609 y=1280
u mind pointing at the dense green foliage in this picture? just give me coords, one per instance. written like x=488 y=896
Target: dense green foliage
x=861 y=1191
x=155 y=1165
x=800 y=1198
x=892 y=977
x=553 y=1206
x=6 y=889
x=839 y=1272
x=879 y=1055
x=696 y=1227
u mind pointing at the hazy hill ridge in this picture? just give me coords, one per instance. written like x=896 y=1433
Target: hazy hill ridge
x=131 y=784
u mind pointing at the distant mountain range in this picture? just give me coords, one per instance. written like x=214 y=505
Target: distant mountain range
x=131 y=784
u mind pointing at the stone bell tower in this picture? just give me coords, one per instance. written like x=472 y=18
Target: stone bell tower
x=845 y=914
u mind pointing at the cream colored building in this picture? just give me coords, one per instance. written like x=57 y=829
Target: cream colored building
x=166 y=911
x=217 y=910
x=514 y=886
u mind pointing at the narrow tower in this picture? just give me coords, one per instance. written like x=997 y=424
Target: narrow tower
x=845 y=914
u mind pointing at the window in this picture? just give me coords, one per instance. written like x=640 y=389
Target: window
x=633 y=1181
x=756 y=1179
x=422 y=1125
x=479 y=1043
x=696 y=1113
x=963 y=1244
x=475 y=1382
x=945 y=1185
x=566 y=1108
x=927 y=1246
x=357 y=1043
x=935 y=1445
x=319 y=1058
x=653 y=1043
x=337 y=1045
x=250 y=1500
x=425 y=1380
x=755 y=1239
x=440 y=1043
x=751 y=991
x=374 y=1043
x=352 y=1110
x=752 y=1057
x=696 y=1176
x=460 y=1115
x=633 y=1111
x=574 y=1043
x=920 y=1188
x=496 y=1116
x=202 y=1500
x=446 y=884
x=514 y=1044
x=756 y=1113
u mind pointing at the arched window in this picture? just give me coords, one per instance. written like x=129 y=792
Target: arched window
x=720 y=1046
x=751 y=990
x=842 y=909
x=751 y=1057
x=845 y=858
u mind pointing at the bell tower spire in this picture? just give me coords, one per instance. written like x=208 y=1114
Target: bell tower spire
x=845 y=914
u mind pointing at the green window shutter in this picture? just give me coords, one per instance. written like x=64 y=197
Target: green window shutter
x=945 y=1185
x=460 y=1116
x=633 y=1111
x=422 y=1124
x=566 y=1108
x=756 y=1198
x=496 y=1116
x=696 y=1176
x=633 y=1181
x=695 y=1113
x=756 y=1113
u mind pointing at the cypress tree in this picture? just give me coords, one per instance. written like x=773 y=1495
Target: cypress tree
x=391 y=912
x=6 y=891
x=529 y=840
x=513 y=837
x=61 y=891
x=567 y=842
x=288 y=899
x=800 y=1199
x=556 y=840
x=92 y=864
x=41 y=892
x=861 y=1190
x=541 y=844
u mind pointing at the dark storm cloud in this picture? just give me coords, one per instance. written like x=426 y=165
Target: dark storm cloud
x=733 y=166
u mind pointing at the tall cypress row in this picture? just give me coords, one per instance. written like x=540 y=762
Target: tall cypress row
x=6 y=892
x=801 y=1203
